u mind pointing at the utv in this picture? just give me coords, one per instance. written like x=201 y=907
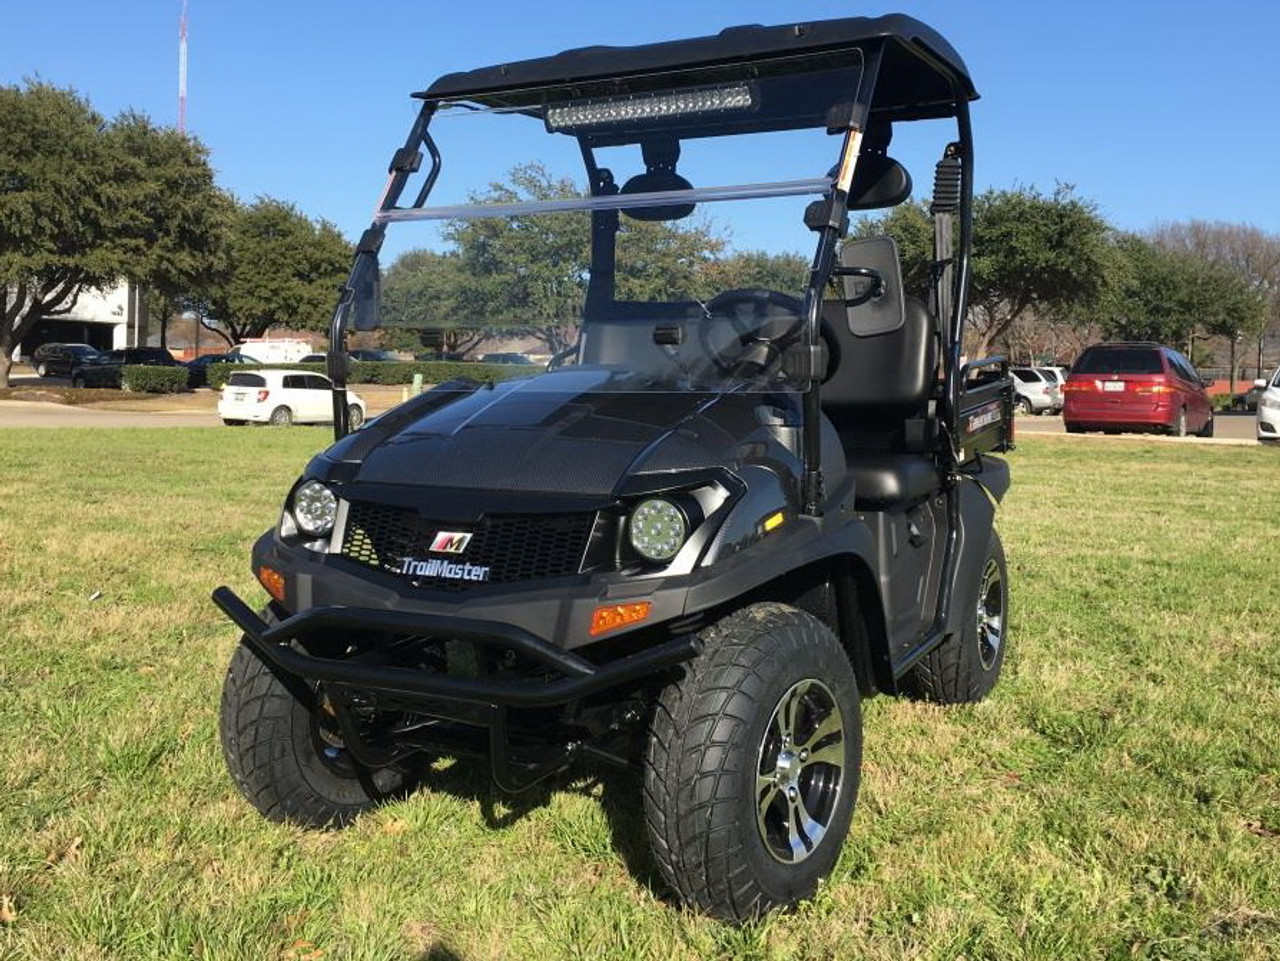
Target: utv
x=714 y=523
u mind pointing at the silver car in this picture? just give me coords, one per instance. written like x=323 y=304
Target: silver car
x=1037 y=389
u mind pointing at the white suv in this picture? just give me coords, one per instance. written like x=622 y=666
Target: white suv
x=282 y=397
x=1037 y=390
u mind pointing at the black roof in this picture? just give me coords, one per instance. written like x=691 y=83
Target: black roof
x=920 y=76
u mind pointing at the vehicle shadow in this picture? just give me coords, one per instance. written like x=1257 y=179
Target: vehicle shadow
x=618 y=791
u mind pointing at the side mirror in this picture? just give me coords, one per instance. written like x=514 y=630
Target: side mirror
x=367 y=282
x=1260 y=383
x=869 y=275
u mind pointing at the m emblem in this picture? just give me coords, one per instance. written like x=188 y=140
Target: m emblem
x=450 y=542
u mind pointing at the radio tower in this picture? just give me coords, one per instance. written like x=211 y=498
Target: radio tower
x=182 y=70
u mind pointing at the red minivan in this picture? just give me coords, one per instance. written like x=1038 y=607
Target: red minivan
x=1136 y=386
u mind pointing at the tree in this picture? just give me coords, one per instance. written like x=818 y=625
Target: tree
x=420 y=300
x=1251 y=253
x=1160 y=294
x=173 y=217
x=279 y=269
x=85 y=204
x=528 y=275
x=1034 y=256
x=755 y=268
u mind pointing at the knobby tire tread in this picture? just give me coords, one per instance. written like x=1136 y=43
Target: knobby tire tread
x=699 y=850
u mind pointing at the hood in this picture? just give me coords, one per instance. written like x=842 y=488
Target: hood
x=572 y=431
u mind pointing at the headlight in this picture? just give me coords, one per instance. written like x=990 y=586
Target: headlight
x=657 y=529
x=314 y=508
x=1270 y=403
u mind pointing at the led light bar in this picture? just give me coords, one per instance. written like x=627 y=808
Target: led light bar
x=657 y=106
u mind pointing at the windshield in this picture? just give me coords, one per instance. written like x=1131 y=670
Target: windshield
x=652 y=227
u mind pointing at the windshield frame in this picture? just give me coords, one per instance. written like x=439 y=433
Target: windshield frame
x=828 y=218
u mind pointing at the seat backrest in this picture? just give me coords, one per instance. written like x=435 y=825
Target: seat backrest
x=883 y=354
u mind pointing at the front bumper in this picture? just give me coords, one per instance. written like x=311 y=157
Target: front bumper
x=1268 y=424
x=578 y=677
x=478 y=704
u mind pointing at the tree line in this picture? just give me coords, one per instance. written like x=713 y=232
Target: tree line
x=1049 y=274
x=86 y=203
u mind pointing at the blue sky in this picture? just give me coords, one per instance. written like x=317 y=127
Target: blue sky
x=1154 y=111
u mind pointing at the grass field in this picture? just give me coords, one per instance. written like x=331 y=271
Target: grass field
x=1117 y=797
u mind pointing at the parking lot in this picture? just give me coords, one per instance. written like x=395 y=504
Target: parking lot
x=1229 y=427
x=197 y=408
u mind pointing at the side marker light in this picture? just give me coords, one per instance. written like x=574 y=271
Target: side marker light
x=273 y=581
x=612 y=616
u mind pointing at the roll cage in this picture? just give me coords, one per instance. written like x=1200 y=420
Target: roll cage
x=895 y=69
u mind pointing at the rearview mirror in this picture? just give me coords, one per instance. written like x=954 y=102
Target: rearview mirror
x=878 y=182
x=657 y=181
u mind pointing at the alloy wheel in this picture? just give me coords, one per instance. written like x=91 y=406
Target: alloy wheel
x=990 y=614
x=801 y=771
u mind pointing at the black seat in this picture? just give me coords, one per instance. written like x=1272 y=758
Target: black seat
x=882 y=481
x=882 y=375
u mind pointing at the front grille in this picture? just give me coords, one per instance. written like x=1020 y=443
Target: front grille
x=514 y=547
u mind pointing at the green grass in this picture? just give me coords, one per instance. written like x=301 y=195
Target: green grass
x=1117 y=797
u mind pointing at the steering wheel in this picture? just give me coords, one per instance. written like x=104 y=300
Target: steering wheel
x=765 y=323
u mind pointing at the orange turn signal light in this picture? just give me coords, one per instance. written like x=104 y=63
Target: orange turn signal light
x=273 y=581
x=612 y=616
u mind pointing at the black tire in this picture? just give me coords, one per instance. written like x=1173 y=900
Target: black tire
x=287 y=765
x=1074 y=428
x=1024 y=405
x=233 y=423
x=42 y=370
x=1207 y=429
x=77 y=382
x=281 y=417
x=355 y=416
x=726 y=834
x=964 y=668
x=1179 y=428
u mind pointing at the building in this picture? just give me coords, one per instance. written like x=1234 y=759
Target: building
x=108 y=320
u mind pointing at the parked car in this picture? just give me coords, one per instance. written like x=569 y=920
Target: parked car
x=106 y=370
x=505 y=358
x=1136 y=386
x=281 y=398
x=1248 y=401
x=1037 y=391
x=1269 y=409
x=273 y=351
x=442 y=355
x=1056 y=374
x=198 y=369
x=57 y=360
x=314 y=359
x=379 y=356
